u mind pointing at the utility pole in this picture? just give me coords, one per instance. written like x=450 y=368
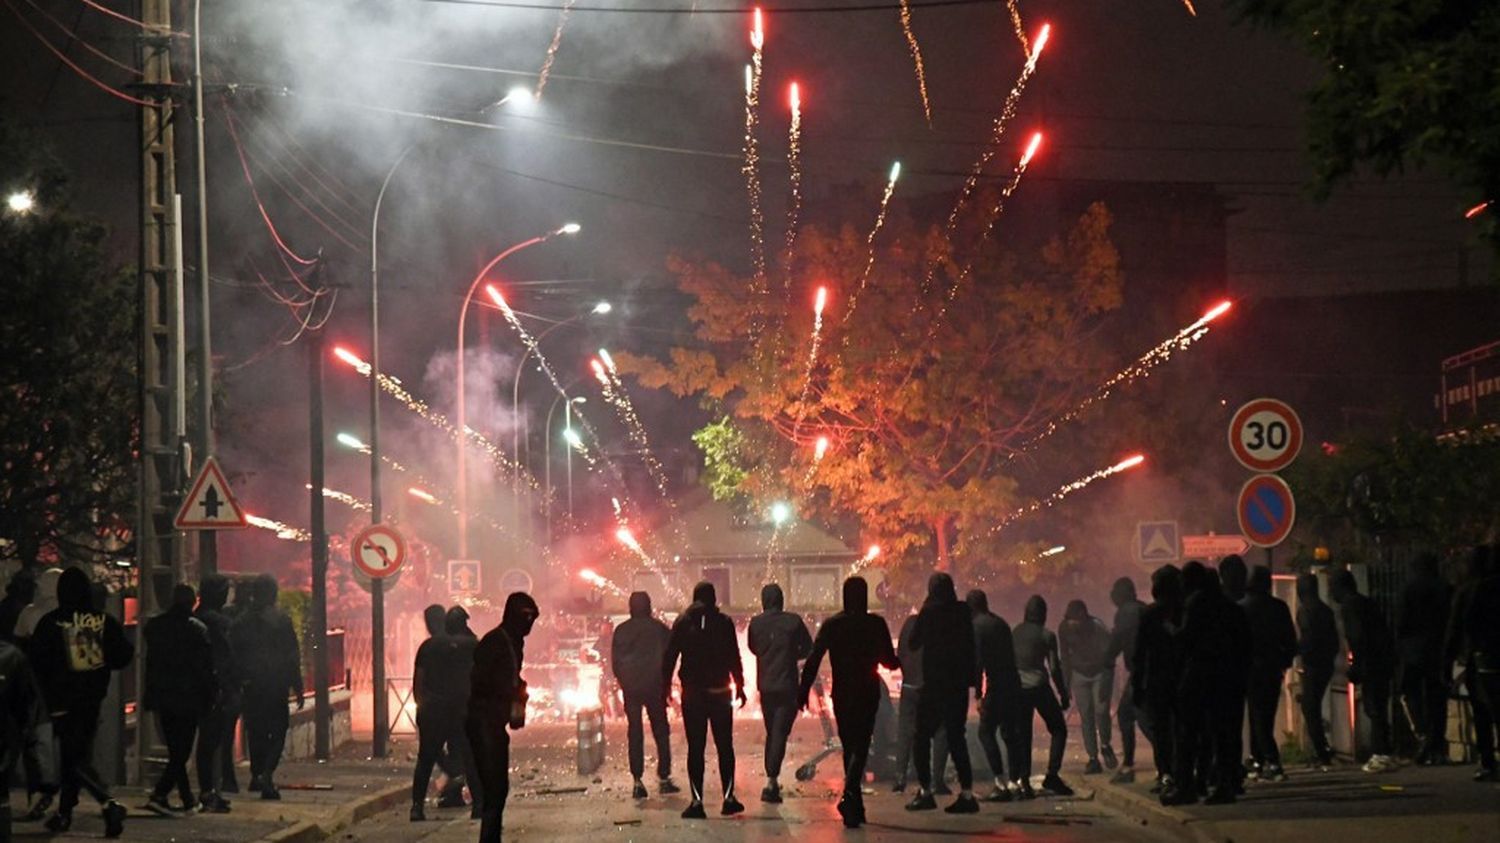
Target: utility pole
x=208 y=548
x=321 y=737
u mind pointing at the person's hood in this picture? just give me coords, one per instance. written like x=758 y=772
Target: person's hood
x=640 y=604
x=1233 y=575
x=520 y=613
x=74 y=590
x=705 y=596
x=1307 y=589
x=856 y=596
x=1194 y=577
x=940 y=589
x=456 y=621
x=771 y=598
x=263 y=591
x=1122 y=592
x=979 y=602
x=1077 y=611
x=1166 y=585
x=214 y=592
x=1260 y=581
x=1341 y=586
x=433 y=616
x=1036 y=610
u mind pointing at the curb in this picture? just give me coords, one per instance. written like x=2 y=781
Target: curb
x=310 y=831
x=1148 y=810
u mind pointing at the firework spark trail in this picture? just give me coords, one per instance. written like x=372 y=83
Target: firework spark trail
x=1068 y=489
x=627 y=537
x=1015 y=21
x=282 y=531
x=812 y=357
x=794 y=168
x=864 y=561
x=751 y=166
x=342 y=497
x=1142 y=367
x=916 y=59
x=991 y=216
x=1189 y=4
x=614 y=393
x=601 y=582
x=546 y=71
x=864 y=277
x=997 y=133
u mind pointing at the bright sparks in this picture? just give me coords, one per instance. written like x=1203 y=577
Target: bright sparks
x=1031 y=148
x=757 y=30
x=601 y=582
x=794 y=170
x=751 y=167
x=990 y=217
x=562 y=20
x=820 y=302
x=864 y=277
x=423 y=495
x=1478 y=209
x=1068 y=489
x=820 y=448
x=812 y=356
x=609 y=361
x=1015 y=21
x=282 y=531
x=1189 y=4
x=916 y=58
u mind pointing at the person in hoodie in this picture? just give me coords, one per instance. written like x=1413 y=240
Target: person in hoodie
x=74 y=649
x=1037 y=658
x=636 y=651
x=1215 y=638
x=1084 y=646
x=944 y=633
x=1461 y=645
x=180 y=687
x=265 y=644
x=999 y=693
x=1122 y=640
x=1273 y=646
x=778 y=639
x=497 y=701
x=711 y=674
x=20 y=591
x=1226 y=723
x=906 y=714
x=440 y=688
x=1421 y=619
x=1317 y=648
x=216 y=727
x=459 y=754
x=1372 y=663
x=856 y=642
x=1155 y=673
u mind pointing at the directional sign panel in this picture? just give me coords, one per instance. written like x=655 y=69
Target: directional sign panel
x=379 y=551
x=1266 y=510
x=1265 y=435
x=1156 y=541
x=463 y=577
x=1213 y=547
x=209 y=505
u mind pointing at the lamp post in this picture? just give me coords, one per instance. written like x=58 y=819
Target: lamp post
x=460 y=414
x=547 y=454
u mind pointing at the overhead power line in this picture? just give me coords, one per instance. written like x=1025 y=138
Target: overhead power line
x=813 y=9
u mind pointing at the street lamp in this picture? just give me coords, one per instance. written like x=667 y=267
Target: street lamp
x=21 y=202
x=571 y=437
x=460 y=415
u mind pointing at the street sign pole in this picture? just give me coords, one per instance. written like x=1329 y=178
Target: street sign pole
x=379 y=551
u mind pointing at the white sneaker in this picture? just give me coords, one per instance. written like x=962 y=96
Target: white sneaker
x=1379 y=764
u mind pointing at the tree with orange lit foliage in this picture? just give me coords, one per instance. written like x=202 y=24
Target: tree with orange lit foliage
x=922 y=395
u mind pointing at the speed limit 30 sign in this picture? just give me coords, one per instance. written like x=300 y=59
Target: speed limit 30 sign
x=1265 y=435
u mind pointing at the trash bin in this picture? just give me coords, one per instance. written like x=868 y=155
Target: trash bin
x=590 y=740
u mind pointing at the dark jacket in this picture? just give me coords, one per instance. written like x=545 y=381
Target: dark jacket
x=179 y=664
x=1317 y=633
x=265 y=645
x=1158 y=651
x=21 y=708
x=76 y=646
x=1215 y=641
x=210 y=611
x=1481 y=624
x=495 y=681
x=1372 y=648
x=1128 y=611
x=1273 y=636
x=910 y=656
x=10 y=612
x=856 y=642
x=1036 y=649
x=945 y=634
x=1083 y=641
x=994 y=650
x=704 y=637
x=778 y=640
x=637 y=648
x=1422 y=617
x=465 y=642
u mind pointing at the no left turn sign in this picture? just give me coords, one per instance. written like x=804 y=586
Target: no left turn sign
x=1265 y=435
x=379 y=551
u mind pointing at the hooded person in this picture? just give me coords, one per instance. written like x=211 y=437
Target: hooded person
x=1122 y=638
x=944 y=633
x=74 y=649
x=779 y=640
x=215 y=728
x=636 y=649
x=1372 y=663
x=1084 y=643
x=1421 y=619
x=440 y=675
x=1463 y=645
x=1273 y=646
x=497 y=701
x=1227 y=722
x=1215 y=638
x=906 y=714
x=458 y=759
x=265 y=644
x=998 y=691
x=711 y=677
x=856 y=643
x=1317 y=648
x=180 y=688
x=20 y=591
x=1037 y=659
x=1155 y=672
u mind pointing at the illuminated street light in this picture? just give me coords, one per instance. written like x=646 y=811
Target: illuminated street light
x=348 y=440
x=572 y=437
x=603 y=307
x=21 y=202
x=570 y=228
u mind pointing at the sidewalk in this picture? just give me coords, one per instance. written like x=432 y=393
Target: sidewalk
x=1410 y=804
x=318 y=800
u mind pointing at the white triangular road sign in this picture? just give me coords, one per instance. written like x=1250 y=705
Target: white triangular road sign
x=209 y=505
x=1157 y=547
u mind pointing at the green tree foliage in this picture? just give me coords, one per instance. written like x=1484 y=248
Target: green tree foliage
x=1404 y=84
x=67 y=362
x=924 y=397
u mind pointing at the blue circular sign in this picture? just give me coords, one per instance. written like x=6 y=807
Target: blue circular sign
x=1266 y=510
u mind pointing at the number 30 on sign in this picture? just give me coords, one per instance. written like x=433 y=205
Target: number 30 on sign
x=1265 y=435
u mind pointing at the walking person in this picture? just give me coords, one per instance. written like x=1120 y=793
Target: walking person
x=711 y=674
x=1462 y=645
x=944 y=633
x=637 y=648
x=1421 y=619
x=1210 y=713
x=497 y=702
x=74 y=649
x=216 y=726
x=856 y=643
x=37 y=756
x=999 y=693
x=1273 y=646
x=233 y=682
x=1037 y=660
x=266 y=646
x=1084 y=642
x=1227 y=721
x=906 y=714
x=1317 y=648
x=779 y=640
x=440 y=676
x=1156 y=674
x=180 y=687
x=1372 y=663
x=21 y=710
x=1122 y=638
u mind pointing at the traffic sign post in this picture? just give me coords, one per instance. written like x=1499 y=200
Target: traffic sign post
x=1213 y=547
x=209 y=504
x=1266 y=510
x=463 y=577
x=1156 y=541
x=379 y=551
x=1265 y=435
